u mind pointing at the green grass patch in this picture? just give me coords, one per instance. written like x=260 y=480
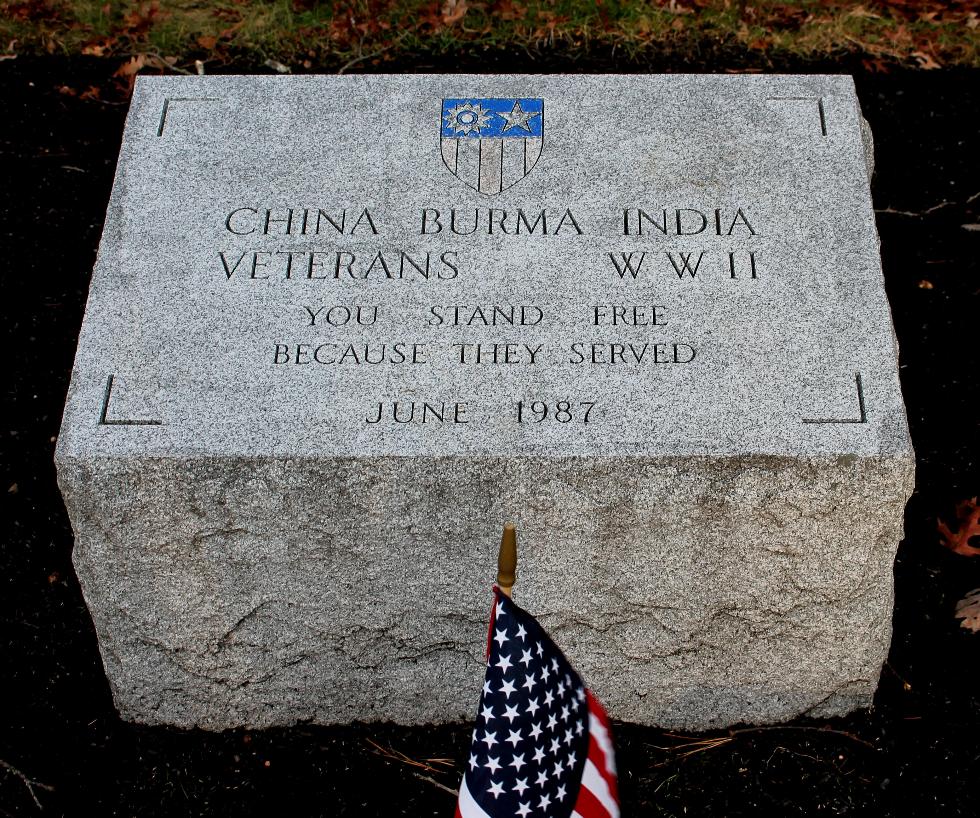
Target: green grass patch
x=344 y=33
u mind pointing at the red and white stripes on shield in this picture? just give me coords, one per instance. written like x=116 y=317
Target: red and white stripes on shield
x=491 y=165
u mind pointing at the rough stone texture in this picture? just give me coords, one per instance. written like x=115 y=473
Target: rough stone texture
x=260 y=555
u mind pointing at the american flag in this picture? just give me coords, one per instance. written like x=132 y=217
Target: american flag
x=542 y=744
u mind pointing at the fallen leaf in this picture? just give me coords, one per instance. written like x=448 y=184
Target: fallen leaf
x=968 y=609
x=453 y=11
x=861 y=11
x=925 y=285
x=277 y=66
x=13 y=489
x=131 y=67
x=92 y=92
x=972 y=21
x=973 y=228
x=968 y=526
x=507 y=10
x=53 y=577
x=207 y=42
x=926 y=61
x=140 y=19
x=228 y=33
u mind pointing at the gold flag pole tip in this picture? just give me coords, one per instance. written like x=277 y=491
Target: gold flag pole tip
x=507 y=559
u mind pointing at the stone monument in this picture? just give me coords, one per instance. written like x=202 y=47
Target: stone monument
x=341 y=328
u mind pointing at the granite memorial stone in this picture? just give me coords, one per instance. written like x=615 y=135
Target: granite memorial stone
x=341 y=328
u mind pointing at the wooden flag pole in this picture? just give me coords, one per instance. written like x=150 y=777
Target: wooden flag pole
x=507 y=559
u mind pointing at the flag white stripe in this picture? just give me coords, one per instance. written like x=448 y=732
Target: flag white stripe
x=468 y=807
x=596 y=784
x=602 y=738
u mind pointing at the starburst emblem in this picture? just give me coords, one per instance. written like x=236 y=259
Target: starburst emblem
x=467 y=118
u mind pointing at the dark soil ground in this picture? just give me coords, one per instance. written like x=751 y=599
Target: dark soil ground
x=916 y=753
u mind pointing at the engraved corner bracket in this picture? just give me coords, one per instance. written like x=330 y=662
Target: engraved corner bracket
x=820 y=108
x=105 y=420
x=169 y=102
x=862 y=408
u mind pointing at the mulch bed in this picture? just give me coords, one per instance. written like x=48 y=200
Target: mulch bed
x=915 y=753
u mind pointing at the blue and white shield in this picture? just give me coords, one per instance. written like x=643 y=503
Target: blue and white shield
x=491 y=144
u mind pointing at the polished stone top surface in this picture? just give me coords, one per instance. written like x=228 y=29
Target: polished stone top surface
x=442 y=265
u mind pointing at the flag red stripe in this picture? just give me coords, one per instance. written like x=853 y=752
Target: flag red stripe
x=605 y=766
x=594 y=799
x=493 y=620
x=597 y=757
x=596 y=708
x=588 y=805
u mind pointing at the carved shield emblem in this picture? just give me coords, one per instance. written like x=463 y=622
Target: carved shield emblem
x=491 y=144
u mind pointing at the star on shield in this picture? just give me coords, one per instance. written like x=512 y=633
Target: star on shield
x=517 y=118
